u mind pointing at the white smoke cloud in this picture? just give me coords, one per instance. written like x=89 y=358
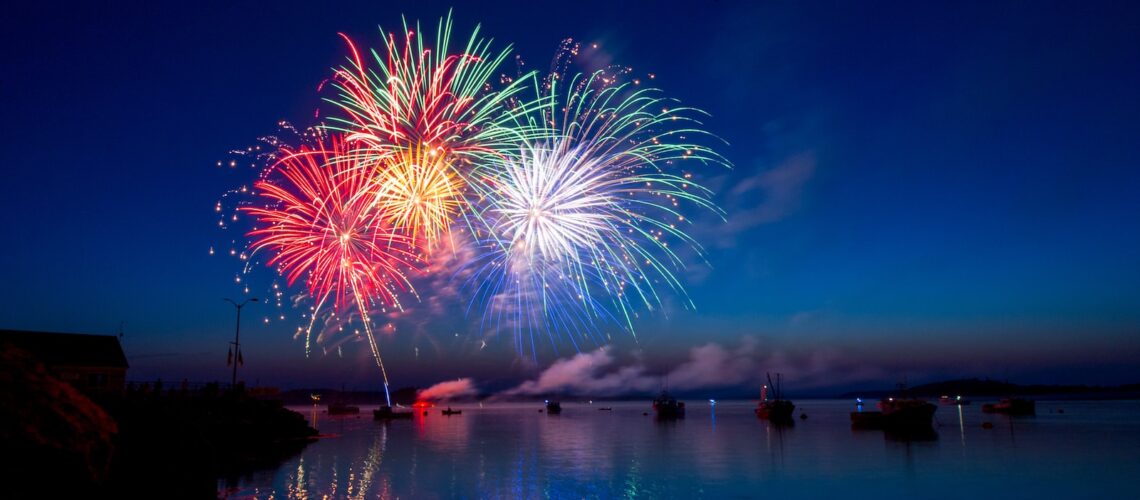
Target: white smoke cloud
x=586 y=373
x=710 y=366
x=598 y=373
x=449 y=390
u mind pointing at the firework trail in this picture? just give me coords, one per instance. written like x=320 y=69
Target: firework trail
x=579 y=220
x=417 y=114
x=319 y=224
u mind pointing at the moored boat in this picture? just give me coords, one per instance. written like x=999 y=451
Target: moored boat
x=553 y=407
x=667 y=406
x=899 y=412
x=895 y=414
x=1012 y=406
x=777 y=409
x=449 y=411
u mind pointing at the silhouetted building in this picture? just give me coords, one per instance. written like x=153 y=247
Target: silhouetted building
x=90 y=363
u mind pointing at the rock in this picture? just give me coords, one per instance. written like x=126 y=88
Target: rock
x=49 y=427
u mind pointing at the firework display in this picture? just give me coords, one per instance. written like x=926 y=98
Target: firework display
x=568 y=192
x=320 y=222
x=417 y=113
x=580 y=219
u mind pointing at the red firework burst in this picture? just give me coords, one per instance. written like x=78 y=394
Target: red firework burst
x=318 y=221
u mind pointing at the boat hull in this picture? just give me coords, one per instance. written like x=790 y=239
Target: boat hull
x=779 y=409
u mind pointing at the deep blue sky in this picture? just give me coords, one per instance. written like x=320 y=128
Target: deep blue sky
x=921 y=189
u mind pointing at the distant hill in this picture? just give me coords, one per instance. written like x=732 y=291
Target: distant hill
x=974 y=387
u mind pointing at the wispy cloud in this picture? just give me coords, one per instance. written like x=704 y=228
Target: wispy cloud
x=766 y=197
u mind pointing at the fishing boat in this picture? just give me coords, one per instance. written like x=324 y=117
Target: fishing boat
x=386 y=413
x=907 y=412
x=449 y=411
x=667 y=406
x=778 y=409
x=1012 y=406
x=553 y=407
x=895 y=414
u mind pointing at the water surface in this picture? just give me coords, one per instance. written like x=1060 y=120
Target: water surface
x=1092 y=449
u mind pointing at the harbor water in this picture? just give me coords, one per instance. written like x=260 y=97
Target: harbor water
x=1070 y=449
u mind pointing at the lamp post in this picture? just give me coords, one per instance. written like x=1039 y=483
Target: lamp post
x=237 y=335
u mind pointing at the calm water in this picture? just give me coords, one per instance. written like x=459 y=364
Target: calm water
x=1092 y=450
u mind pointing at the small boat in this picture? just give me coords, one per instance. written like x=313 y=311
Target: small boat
x=341 y=408
x=553 y=407
x=1012 y=406
x=907 y=412
x=895 y=414
x=667 y=406
x=957 y=400
x=606 y=409
x=386 y=413
x=449 y=411
x=779 y=410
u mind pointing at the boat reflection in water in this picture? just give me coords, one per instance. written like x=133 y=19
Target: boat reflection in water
x=510 y=450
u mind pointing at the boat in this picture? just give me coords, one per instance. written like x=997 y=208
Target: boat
x=895 y=414
x=1012 y=406
x=553 y=407
x=341 y=408
x=777 y=409
x=606 y=409
x=386 y=413
x=957 y=400
x=449 y=411
x=667 y=406
x=906 y=412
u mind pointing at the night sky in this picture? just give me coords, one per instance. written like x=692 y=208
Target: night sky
x=920 y=190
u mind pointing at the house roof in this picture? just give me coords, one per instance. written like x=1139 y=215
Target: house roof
x=68 y=349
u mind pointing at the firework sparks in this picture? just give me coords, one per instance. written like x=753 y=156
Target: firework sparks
x=422 y=115
x=318 y=224
x=418 y=192
x=573 y=196
x=579 y=223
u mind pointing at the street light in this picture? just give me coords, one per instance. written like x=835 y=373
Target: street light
x=237 y=333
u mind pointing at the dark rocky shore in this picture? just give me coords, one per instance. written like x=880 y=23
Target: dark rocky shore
x=157 y=442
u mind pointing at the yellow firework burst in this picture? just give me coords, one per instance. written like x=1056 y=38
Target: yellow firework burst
x=419 y=192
